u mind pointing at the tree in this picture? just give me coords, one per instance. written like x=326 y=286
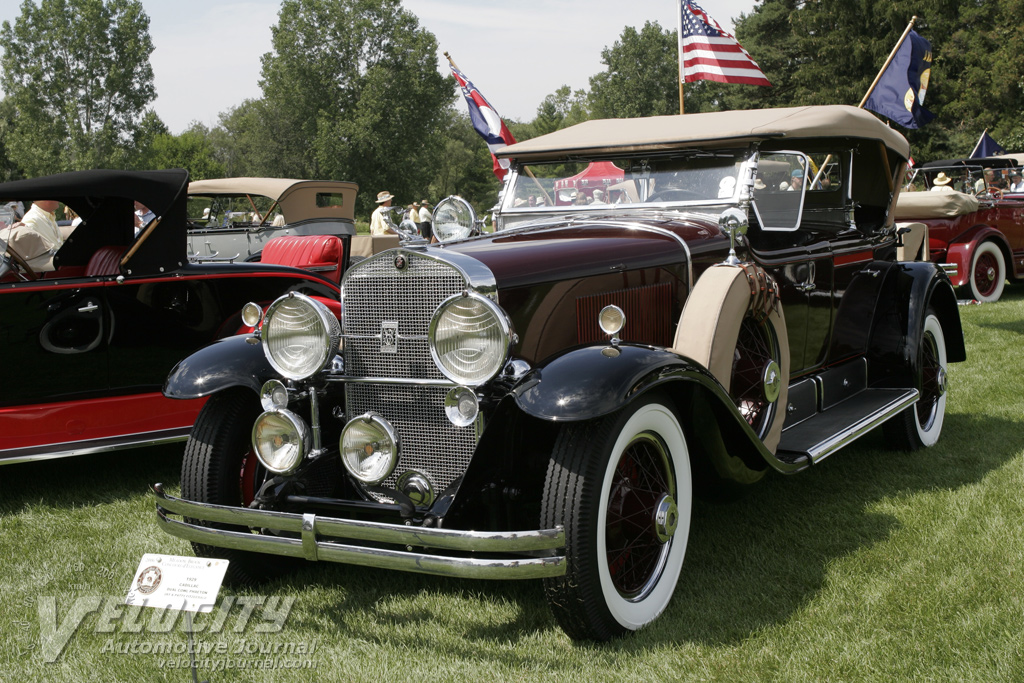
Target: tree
x=192 y=150
x=353 y=93
x=77 y=73
x=642 y=75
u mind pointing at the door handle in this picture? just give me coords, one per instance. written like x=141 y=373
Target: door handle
x=806 y=287
x=89 y=308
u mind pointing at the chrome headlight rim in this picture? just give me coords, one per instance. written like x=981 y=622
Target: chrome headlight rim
x=450 y=232
x=329 y=323
x=506 y=330
x=301 y=430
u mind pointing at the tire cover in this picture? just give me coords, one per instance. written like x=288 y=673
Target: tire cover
x=709 y=327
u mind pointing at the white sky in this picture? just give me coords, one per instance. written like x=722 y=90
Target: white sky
x=207 y=52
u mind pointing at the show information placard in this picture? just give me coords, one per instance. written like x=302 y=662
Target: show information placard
x=184 y=583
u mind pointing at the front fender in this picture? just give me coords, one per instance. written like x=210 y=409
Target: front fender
x=593 y=381
x=230 y=362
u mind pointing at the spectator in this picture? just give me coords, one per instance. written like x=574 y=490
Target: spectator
x=36 y=238
x=426 y=230
x=380 y=220
x=982 y=185
x=143 y=216
x=1016 y=183
x=941 y=183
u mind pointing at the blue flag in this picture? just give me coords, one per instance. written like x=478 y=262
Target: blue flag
x=986 y=147
x=899 y=95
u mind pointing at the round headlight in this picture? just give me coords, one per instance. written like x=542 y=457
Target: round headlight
x=369 y=448
x=281 y=440
x=453 y=219
x=469 y=338
x=252 y=314
x=300 y=336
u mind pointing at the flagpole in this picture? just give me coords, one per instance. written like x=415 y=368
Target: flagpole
x=892 y=55
x=979 y=143
x=679 y=40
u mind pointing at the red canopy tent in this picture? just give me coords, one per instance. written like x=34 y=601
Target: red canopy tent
x=596 y=174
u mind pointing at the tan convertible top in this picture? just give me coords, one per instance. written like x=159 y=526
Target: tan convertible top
x=934 y=205
x=297 y=198
x=657 y=133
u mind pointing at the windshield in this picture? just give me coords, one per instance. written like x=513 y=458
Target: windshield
x=224 y=211
x=594 y=184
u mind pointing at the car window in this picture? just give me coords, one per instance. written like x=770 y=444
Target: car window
x=779 y=187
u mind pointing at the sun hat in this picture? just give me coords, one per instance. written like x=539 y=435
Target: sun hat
x=384 y=196
x=942 y=179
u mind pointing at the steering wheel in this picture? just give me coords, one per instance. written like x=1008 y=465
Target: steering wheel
x=674 y=194
x=27 y=272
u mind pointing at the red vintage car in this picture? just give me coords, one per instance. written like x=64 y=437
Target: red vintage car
x=975 y=222
x=89 y=334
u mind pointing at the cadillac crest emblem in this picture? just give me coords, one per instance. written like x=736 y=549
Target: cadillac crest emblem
x=389 y=336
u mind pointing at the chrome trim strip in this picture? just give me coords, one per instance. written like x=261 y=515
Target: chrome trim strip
x=950 y=269
x=38 y=453
x=863 y=426
x=307 y=546
x=390 y=380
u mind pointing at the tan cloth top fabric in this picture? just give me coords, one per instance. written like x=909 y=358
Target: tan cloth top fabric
x=934 y=205
x=606 y=136
x=297 y=197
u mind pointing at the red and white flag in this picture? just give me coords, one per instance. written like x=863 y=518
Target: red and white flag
x=710 y=53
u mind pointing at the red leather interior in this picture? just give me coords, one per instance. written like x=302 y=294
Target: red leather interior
x=319 y=253
x=105 y=261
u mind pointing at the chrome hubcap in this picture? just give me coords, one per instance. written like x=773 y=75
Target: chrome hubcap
x=666 y=518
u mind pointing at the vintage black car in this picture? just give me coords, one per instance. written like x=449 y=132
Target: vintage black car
x=719 y=299
x=89 y=334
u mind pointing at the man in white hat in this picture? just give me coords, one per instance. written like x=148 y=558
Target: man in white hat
x=424 y=220
x=380 y=220
x=941 y=183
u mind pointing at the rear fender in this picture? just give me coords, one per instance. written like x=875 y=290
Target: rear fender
x=231 y=362
x=910 y=289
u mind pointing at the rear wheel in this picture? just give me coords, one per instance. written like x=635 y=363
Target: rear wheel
x=220 y=467
x=621 y=486
x=988 y=273
x=920 y=425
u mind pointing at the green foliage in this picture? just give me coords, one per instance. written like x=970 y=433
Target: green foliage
x=641 y=76
x=350 y=92
x=192 y=150
x=78 y=77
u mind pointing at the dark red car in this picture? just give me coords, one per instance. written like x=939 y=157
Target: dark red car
x=89 y=340
x=671 y=307
x=975 y=221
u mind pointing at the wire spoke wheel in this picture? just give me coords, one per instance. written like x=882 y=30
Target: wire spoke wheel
x=634 y=547
x=755 y=360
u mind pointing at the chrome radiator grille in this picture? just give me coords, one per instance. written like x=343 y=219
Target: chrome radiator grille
x=378 y=295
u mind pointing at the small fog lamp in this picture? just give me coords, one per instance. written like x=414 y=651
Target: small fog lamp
x=274 y=395
x=461 y=406
x=281 y=440
x=611 y=319
x=369 y=448
x=252 y=314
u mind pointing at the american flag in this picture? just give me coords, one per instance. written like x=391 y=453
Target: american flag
x=709 y=53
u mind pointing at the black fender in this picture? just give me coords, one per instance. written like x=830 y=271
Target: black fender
x=589 y=382
x=911 y=288
x=229 y=362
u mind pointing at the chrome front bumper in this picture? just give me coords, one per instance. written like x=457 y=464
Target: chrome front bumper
x=313 y=531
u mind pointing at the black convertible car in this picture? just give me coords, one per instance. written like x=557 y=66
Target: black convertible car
x=88 y=339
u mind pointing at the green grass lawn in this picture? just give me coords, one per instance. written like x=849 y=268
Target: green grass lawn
x=874 y=566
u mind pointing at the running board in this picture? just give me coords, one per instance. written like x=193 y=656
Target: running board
x=818 y=437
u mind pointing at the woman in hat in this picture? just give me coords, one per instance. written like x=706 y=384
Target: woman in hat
x=380 y=220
